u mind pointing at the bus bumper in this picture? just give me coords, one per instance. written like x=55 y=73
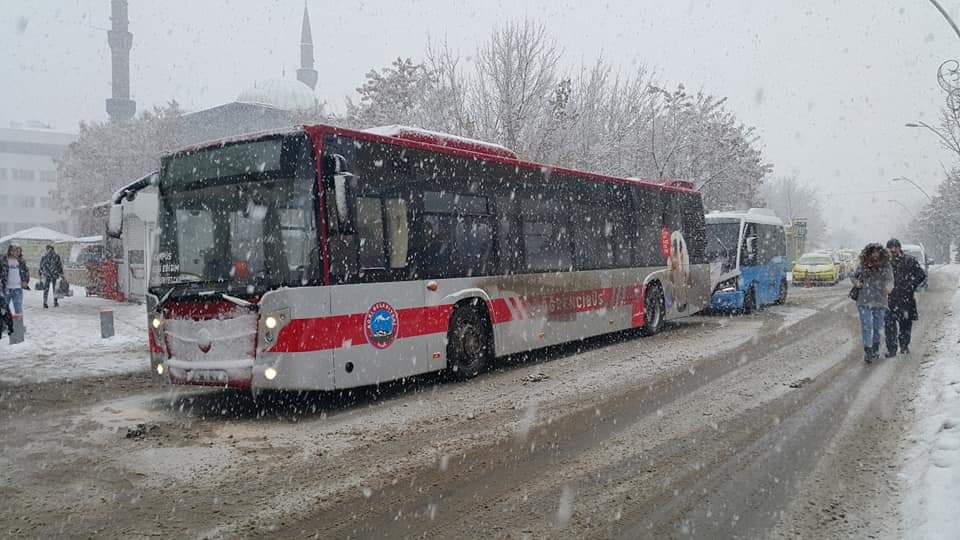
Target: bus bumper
x=727 y=301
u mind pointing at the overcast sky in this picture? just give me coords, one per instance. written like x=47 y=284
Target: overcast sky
x=828 y=84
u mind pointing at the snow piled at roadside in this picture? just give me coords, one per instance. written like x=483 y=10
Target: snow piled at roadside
x=65 y=342
x=932 y=470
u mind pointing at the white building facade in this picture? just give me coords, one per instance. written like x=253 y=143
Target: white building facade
x=28 y=178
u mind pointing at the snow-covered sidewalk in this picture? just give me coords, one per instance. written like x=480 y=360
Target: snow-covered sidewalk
x=932 y=470
x=65 y=342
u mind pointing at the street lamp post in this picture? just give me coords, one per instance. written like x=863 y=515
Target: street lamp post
x=904 y=179
x=951 y=145
x=905 y=207
x=946 y=16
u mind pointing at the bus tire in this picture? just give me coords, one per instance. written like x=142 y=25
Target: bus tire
x=782 y=295
x=749 y=302
x=469 y=346
x=654 y=310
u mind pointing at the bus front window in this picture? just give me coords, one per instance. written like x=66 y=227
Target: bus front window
x=723 y=237
x=251 y=231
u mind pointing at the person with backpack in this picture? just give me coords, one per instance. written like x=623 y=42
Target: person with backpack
x=873 y=283
x=51 y=270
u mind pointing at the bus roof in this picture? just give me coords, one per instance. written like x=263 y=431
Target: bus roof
x=445 y=144
x=764 y=216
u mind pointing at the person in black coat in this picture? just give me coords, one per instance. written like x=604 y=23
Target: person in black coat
x=51 y=269
x=908 y=275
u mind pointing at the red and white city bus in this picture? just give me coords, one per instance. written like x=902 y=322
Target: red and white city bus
x=323 y=258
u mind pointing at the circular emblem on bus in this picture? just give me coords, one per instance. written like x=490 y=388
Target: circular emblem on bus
x=381 y=325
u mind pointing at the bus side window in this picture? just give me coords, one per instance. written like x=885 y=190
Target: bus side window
x=398 y=232
x=694 y=228
x=370 y=233
x=649 y=211
x=750 y=245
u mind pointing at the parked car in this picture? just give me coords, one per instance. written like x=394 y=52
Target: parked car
x=816 y=268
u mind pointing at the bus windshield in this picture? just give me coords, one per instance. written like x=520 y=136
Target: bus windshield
x=237 y=218
x=723 y=237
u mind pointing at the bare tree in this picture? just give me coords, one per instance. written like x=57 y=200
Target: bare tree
x=516 y=72
x=791 y=200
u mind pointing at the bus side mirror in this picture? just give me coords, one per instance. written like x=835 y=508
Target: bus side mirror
x=115 y=221
x=751 y=245
x=343 y=190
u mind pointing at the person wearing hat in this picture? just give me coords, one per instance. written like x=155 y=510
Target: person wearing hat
x=51 y=269
x=908 y=275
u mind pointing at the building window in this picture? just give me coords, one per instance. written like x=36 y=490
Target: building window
x=29 y=202
x=22 y=174
x=49 y=175
x=3 y=201
x=46 y=202
x=3 y=174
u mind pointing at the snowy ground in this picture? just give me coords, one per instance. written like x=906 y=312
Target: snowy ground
x=932 y=471
x=65 y=342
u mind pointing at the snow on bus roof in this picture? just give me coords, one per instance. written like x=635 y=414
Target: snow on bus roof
x=442 y=139
x=754 y=215
x=664 y=184
x=238 y=138
x=461 y=145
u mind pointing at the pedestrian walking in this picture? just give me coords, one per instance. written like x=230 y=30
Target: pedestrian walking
x=16 y=278
x=908 y=276
x=51 y=270
x=873 y=283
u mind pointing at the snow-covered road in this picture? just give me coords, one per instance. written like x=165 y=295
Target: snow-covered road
x=708 y=429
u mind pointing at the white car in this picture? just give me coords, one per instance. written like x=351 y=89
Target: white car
x=917 y=252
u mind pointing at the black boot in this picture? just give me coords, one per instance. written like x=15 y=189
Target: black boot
x=868 y=354
x=891 y=353
x=904 y=349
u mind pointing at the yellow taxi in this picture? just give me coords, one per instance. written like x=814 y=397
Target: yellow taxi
x=816 y=268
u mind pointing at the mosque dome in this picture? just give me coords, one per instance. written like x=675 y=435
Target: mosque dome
x=289 y=95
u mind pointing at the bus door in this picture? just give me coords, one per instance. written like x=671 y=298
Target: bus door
x=752 y=274
x=377 y=309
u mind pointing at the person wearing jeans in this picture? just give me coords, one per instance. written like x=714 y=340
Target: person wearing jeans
x=14 y=277
x=874 y=281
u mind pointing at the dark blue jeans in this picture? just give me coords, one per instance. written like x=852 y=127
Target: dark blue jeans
x=871 y=323
x=50 y=285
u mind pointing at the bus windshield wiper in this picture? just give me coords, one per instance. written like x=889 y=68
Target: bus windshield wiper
x=238 y=301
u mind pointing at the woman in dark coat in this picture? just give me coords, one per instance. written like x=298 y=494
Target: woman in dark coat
x=874 y=279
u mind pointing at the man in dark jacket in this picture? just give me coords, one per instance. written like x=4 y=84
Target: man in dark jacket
x=51 y=269
x=907 y=277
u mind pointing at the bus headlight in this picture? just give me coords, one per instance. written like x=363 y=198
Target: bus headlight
x=159 y=369
x=270 y=373
x=155 y=322
x=271 y=323
x=729 y=285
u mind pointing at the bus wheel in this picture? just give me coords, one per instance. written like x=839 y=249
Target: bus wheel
x=749 y=302
x=782 y=296
x=468 y=343
x=653 y=310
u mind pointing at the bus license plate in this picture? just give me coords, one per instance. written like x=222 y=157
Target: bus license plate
x=208 y=376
